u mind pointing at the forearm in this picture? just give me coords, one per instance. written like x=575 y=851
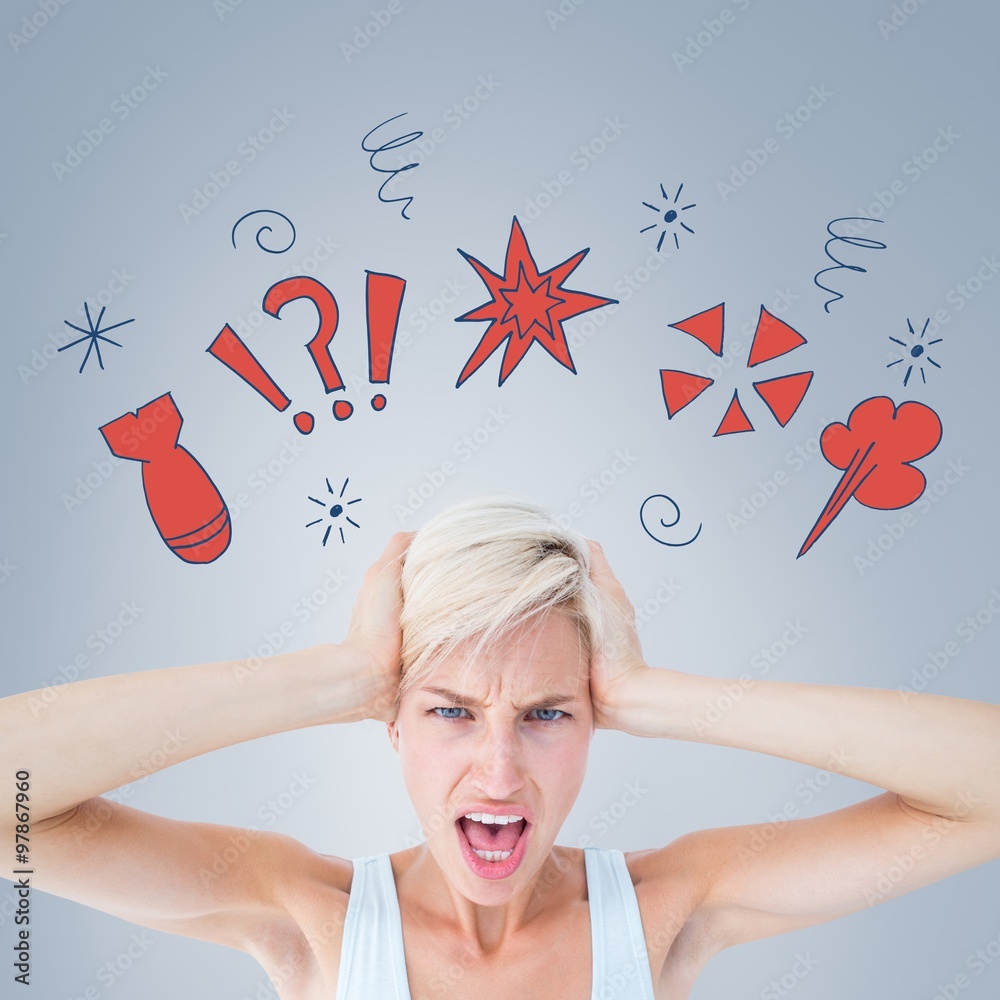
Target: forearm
x=94 y=735
x=939 y=754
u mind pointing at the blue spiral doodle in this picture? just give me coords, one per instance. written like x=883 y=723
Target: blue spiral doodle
x=265 y=229
x=856 y=241
x=665 y=524
x=403 y=140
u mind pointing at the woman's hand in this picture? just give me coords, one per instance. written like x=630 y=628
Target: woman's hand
x=373 y=638
x=618 y=664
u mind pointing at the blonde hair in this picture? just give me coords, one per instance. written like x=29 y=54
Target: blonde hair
x=477 y=571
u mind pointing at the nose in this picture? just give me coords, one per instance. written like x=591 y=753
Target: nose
x=498 y=761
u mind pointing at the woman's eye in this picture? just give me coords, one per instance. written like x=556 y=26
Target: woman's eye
x=455 y=708
x=448 y=709
x=561 y=714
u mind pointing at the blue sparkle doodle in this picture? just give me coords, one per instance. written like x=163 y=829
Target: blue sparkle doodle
x=669 y=217
x=916 y=352
x=93 y=334
x=335 y=510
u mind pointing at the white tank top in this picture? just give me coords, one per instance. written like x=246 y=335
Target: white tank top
x=373 y=966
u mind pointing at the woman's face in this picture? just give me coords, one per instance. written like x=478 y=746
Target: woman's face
x=515 y=742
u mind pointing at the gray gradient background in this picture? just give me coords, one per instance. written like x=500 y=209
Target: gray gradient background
x=63 y=239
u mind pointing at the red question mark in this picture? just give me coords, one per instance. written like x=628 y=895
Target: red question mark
x=289 y=289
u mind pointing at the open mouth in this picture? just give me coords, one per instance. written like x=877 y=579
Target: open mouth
x=492 y=850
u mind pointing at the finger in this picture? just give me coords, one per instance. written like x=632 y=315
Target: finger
x=397 y=545
x=599 y=564
x=392 y=553
x=604 y=577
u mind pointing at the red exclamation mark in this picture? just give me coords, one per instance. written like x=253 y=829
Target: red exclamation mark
x=237 y=357
x=383 y=301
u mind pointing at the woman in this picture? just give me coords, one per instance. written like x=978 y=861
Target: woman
x=493 y=644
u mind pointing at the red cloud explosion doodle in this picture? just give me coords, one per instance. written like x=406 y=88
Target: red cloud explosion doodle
x=526 y=306
x=875 y=448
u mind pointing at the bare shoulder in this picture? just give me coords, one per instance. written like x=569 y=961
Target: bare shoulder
x=670 y=883
x=300 y=948
x=313 y=891
x=260 y=892
x=729 y=885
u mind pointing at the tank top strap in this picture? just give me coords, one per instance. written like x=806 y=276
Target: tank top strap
x=372 y=963
x=621 y=961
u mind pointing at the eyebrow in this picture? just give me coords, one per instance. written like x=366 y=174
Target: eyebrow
x=466 y=701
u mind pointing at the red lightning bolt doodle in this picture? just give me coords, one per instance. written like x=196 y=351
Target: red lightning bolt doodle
x=875 y=449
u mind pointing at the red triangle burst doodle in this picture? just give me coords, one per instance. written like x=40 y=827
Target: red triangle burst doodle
x=705 y=326
x=735 y=421
x=680 y=388
x=784 y=394
x=772 y=338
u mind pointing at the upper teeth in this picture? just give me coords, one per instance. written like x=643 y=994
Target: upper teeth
x=495 y=820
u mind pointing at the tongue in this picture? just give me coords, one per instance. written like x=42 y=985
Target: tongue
x=492 y=838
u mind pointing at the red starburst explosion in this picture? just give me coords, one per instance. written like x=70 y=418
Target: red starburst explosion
x=526 y=306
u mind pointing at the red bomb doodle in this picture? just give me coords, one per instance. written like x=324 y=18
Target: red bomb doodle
x=187 y=509
x=876 y=449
